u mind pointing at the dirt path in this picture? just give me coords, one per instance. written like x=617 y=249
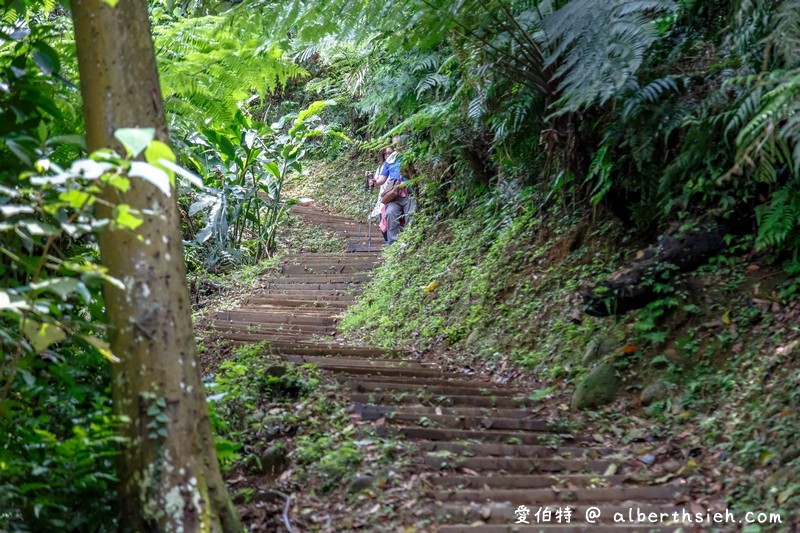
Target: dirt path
x=485 y=452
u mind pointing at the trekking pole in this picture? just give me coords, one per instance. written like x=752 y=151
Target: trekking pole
x=363 y=202
x=369 y=224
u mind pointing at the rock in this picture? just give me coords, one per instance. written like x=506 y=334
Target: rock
x=591 y=353
x=595 y=350
x=647 y=459
x=655 y=391
x=598 y=388
x=672 y=355
x=254 y=417
x=471 y=338
x=276 y=371
x=274 y=461
x=361 y=483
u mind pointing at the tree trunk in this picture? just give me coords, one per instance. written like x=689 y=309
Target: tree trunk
x=634 y=286
x=169 y=474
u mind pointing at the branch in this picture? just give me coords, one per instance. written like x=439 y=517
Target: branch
x=286 y=506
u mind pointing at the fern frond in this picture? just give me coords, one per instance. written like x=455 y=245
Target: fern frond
x=596 y=47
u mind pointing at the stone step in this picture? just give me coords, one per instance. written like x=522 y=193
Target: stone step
x=323 y=295
x=316 y=277
x=340 y=256
x=518 y=465
x=279 y=310
x=429 y=386
x=421 y=373
x=266 y=329
x=449 y=434
x=305 y=348
x=280 y=327
x=664 y=493
x=299 y=303
x=463 y=400
x=326 y=267
x=359 y=362
x=343 y=300
x=511 y=450
x=494 y=412
x=300 y=285
x=503 y=513
x=523 y=481
x=244 y=315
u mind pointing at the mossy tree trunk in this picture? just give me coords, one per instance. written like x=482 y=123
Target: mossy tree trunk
x=169 y=474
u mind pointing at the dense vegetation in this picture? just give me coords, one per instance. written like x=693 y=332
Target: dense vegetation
x=550 y=140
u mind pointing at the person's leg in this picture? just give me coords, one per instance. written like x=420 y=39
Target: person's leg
x=411 y=206
x=393 y=212
x=383 y=224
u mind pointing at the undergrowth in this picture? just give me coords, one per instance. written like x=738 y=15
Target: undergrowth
x=491 y=289
x=288 y=427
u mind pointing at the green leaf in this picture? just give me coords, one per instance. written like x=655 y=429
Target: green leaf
x=20 y=152
x=34 y=227
x=134 y=139
x=192 y=178
x=118 y=182
x=42 y=335
x=12 y=302
x=273 y=169
x=45 y=62
x=13 y=210
x=74 y=140
x=158 y=151
x=61 y=286
x=540 y=394
x=76 y=199
x=89 y=168
x=153 y=175
x=124 y=218
x=101 y=346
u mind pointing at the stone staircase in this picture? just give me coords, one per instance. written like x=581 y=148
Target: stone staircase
x=484 y=452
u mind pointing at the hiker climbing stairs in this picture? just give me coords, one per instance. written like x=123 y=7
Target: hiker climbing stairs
x=487 y=458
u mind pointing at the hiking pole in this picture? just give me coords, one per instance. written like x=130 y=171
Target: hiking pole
x=363 y=202
x=369 y=223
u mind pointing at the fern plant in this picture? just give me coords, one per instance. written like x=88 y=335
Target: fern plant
x=211 y=65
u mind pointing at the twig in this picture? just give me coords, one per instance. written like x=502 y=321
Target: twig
x=286 y=507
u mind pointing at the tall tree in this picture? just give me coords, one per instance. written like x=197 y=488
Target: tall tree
x=170 y=477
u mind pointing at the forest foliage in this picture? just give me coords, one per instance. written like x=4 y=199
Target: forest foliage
x=658 y=111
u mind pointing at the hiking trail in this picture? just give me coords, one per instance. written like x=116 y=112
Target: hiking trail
x=498 y=454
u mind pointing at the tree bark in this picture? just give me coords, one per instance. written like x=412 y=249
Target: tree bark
x=169 y=473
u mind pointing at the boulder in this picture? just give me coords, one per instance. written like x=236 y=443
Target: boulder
x=360 y=483
x=598 y=388
x=274 y=461
x=655 y=391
